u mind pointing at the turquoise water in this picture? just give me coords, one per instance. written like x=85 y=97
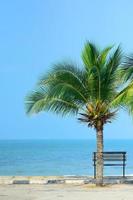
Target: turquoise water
x=57 y=157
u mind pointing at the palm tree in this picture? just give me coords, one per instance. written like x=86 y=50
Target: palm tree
x=93 y=91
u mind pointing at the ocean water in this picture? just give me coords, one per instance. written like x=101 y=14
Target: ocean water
x=57 y=157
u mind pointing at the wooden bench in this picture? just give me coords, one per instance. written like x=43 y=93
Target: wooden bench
x=113 y=158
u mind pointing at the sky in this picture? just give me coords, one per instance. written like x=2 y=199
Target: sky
x=34 y=34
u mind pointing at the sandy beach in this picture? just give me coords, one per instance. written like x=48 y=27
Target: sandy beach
x=65 y=192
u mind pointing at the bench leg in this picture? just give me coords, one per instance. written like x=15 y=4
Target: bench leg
x=94 y=171
x=123 y=169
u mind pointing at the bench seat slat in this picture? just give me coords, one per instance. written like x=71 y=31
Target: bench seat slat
x=112 y=160
x=114 y=152
x=119 y=157
x=112 y=164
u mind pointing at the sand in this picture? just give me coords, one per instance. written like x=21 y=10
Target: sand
x=65 y=192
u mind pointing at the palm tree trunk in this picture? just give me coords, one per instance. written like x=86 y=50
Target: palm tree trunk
x=99 y=163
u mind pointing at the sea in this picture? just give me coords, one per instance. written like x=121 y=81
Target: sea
x=57 y=157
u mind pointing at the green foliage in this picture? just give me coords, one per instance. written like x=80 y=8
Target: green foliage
x=103 y=84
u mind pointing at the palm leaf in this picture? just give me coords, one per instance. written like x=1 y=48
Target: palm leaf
x=40 y=100
x=90 y=54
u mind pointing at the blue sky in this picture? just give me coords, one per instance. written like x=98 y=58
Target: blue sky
x=34 y=34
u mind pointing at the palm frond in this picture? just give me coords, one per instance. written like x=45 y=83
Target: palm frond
x=41 y=100
x=124 y=97
x=127 y=68
x=104 y=54
x=110 y=76
x=66 y=78
x=63 y=90
x=90 y=55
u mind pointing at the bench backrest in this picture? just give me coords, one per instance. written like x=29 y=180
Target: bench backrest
x=112 y=157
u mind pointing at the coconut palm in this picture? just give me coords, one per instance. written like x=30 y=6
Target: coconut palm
x=93 y=91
